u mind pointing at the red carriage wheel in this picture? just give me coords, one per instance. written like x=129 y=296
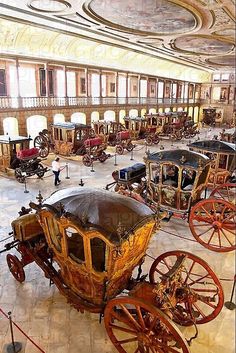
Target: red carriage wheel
x=149 y=140
x=42 y=143
x=130 y=146
x=212 y=223
x=200 y=294
x=135 y=326
x=225 y=191
x=16 y=267
x=119 y=149
x=87 y=160
x=102 y=157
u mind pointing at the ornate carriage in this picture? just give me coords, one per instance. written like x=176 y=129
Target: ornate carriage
x=114 y=134
x=228 y=135
x=223 y=159
x=139 y=129
x=94 y=151
x=174 y=186
x=16 y=155
x=88 y=242
x=209 y=116
x=63 y=139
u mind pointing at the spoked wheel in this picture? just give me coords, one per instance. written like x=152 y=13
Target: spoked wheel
x=42 y=144
x=156 y=139
x=19 y=177
x=130 y=147
x=16 y=267
x=102 y=157
x=138 y=327
x=87 y=160
x=148 y=140
x=119 y=149
x=226 y=192
x=212 y=223
x=199 y=293
x=40 y=172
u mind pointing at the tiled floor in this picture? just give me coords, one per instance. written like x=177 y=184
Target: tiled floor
x=43 y=314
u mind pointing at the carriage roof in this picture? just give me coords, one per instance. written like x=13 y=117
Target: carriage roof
x=114 y=215
x=180 y=158
x=135 y=118
x=214 y=146
x=71 y=125
x=13 y=139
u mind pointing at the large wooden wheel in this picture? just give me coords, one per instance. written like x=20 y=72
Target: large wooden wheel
x=42 y=143
x=200 y=295
x=16 y=267
x=87 y=160
x=40 y=170
x=138 y=327
x=213 y=224
x=102 y=157
x=19 y=176
x=149 y=140
x=226 y=192
x=130 y=146
x=119 y=149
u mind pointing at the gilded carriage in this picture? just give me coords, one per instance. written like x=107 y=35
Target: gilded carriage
x=88 y=242
x=64 y=139
x=223 y=159
x=114 y=134
x=175 y=185
x=17 y=157
x=139 y=129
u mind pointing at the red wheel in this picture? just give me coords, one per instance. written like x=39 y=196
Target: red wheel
x=199 y=292
x=16 y=267
x=212 y=223
x=102 y=157
x=119 y=149
x=42 y=144
x=138 y=327
x=225 y=191
x=87 y=160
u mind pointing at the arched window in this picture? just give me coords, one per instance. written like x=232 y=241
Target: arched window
x=98 y=254
x=10 y=126
x=79 y=118
x=59 y=118
x=110 y=115
x=75 y=245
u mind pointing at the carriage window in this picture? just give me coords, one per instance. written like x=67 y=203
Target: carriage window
x=75 y=245
x=170 y=175
x=232 y=162
x=188 y=178
x=222 y=161
x=155 y=173
x=203 y=176
x=98 y=254
x=69 y=135
x=54 y=232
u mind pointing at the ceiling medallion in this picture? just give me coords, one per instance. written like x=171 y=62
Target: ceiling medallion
x=145 y=16
x=49 y=6
x=227 y=60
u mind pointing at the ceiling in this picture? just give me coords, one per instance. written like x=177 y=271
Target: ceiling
x=198 y=33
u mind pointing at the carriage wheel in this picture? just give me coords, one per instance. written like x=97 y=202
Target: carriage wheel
x=149 y=140
x=119 y=149
x=130 y=147
x=133 y=325
x=16 y=267
x=42 y=144
x=226 y=192
x=102 y=157
x=87 y=160
x=19 y=177
x=200 y=294
x=212 y=223
x=41 y=171
x=156 y=139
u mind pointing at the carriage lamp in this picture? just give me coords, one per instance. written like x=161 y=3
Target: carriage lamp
x=39 y=198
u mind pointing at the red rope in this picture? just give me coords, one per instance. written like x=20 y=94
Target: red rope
x=4 y=314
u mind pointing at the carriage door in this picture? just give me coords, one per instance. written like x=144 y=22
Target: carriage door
x=188 y=177
x=169 y=186
x=76 y=266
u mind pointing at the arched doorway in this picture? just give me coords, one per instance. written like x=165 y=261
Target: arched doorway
x=121 y=116
x=94 y=117
x=10 y=126
x=152 y=111
x=143 y=111
x=78 y=118
x=195 y=115
x=35 y=124
x=133 y=113
x=110 y=115
x=59 y=118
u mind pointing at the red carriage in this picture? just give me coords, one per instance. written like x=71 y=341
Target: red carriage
x=95 y=151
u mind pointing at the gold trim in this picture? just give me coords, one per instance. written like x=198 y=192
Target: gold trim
x=67 y=5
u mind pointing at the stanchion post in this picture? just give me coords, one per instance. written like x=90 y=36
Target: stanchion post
x=132 y=155
x=230 y=305
x=25 y=191
x=92 y=170
x=115 y=160
x=67 y=171
x=13 y=347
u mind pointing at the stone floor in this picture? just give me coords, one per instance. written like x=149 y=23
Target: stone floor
x=43 y=314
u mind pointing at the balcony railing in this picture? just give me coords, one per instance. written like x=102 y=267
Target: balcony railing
x=51 y=102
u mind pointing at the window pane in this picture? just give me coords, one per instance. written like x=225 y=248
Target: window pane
x=98 y=253
x=75 y=245
x=188 y=178
x=170 y=174
x=54 y=232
